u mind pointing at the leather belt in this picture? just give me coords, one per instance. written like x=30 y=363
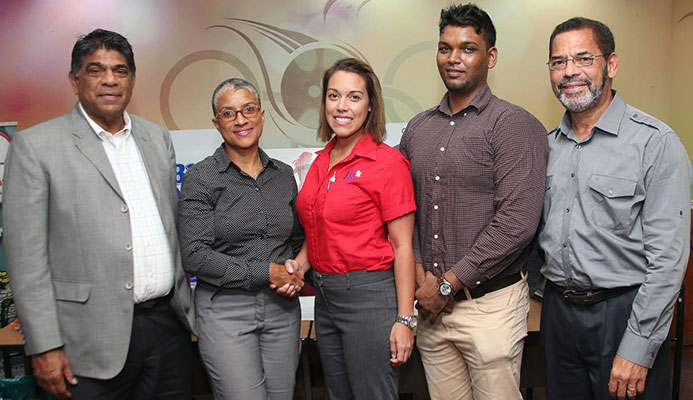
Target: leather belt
x=489 y=286
x=588 y=297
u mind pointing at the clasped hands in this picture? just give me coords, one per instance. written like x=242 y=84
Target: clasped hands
x=288 y=279
x=429 y=302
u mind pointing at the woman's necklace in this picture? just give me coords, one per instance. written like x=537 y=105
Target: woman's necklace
x=255 y=170
x=341 y=155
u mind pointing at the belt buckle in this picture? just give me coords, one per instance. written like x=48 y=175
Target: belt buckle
x=577 y=296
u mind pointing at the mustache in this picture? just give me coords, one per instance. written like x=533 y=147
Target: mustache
x=566 y=81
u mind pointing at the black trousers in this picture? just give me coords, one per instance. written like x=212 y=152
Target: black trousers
x=580 y=342
x=158 y=364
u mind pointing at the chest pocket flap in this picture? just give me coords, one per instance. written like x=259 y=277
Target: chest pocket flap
x=611 y=187
x=71 y=291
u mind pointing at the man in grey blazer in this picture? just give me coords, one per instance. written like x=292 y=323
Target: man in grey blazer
x=91 y=244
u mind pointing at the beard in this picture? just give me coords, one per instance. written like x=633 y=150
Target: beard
x=578 y=102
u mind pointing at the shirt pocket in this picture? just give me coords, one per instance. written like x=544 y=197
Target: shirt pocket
x=71 y=291
x=341 y=203
x=614 y=199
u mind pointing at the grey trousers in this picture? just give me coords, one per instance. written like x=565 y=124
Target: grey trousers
x=354 y=314
x=249 y=342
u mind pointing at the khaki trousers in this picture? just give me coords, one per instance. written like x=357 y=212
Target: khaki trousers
x=475 y=352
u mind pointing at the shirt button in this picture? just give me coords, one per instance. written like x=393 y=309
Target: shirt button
x=442 y=149
x=437 y=178
x=257 y=189
x=128 y=285
x=572 y=175
x=435 y=236
x=464 y=115
x=611 y=191
x=567 y=210
x=128 y=246
x=452 y=122
x=478 y=283
x=565 y=244
x=435 y=264
x=124 y=208
x=435 y=207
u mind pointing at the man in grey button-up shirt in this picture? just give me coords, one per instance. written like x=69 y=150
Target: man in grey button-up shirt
x=616 y=228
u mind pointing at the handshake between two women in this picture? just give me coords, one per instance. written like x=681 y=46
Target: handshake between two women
x=288 y=279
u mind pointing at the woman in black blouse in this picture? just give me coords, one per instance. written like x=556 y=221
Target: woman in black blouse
x=237 y=225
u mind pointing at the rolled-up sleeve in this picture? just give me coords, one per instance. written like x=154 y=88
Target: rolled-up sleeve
x=666 y=216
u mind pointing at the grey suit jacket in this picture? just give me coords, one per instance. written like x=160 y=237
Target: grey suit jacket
x=65 y=235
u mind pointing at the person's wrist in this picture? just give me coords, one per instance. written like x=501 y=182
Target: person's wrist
x=410 y=321
x=445 y=287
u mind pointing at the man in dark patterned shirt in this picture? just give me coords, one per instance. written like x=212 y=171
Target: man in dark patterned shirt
x=478 y=165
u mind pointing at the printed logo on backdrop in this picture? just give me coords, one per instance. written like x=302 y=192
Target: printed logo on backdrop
x=291 y=96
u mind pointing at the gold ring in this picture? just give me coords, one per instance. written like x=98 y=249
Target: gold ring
x=632 y=391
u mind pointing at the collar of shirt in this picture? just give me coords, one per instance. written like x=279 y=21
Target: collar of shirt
x=100 y=132
x=224 y=162
x=365 y=147
x=479 y=102
x=609 y=122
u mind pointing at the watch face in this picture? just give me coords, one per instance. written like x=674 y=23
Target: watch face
x=445 y=289
x=413 y=321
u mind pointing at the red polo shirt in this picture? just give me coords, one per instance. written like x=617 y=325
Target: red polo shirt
x=344 y=210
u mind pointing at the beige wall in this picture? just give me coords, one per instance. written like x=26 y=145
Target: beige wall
x=184 y=48
x=680 y=61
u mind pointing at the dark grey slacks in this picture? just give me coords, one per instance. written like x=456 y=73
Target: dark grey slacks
x=579 y=345
x=354 y=314
x=249 y=342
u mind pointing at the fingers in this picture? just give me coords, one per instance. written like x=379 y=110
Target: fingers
x=401 y=344
x=449 y=306
x=69 y=376
x=617 y=387
x=296 y=281
x=433 y=318
x=51 y=369
x=55 y=386
x=285 y=290
x=640 y=386
x=289 y=290
x=626 y=389
x=627 y=379
x=291 y=266
x=279 y=275
x=404 y=349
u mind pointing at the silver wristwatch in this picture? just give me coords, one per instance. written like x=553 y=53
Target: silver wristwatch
x=445 y=288
x=409 y=321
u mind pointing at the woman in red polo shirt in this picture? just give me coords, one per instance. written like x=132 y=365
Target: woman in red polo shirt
x=357 y=194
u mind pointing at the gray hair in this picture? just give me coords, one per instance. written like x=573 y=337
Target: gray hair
x=233 y=84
